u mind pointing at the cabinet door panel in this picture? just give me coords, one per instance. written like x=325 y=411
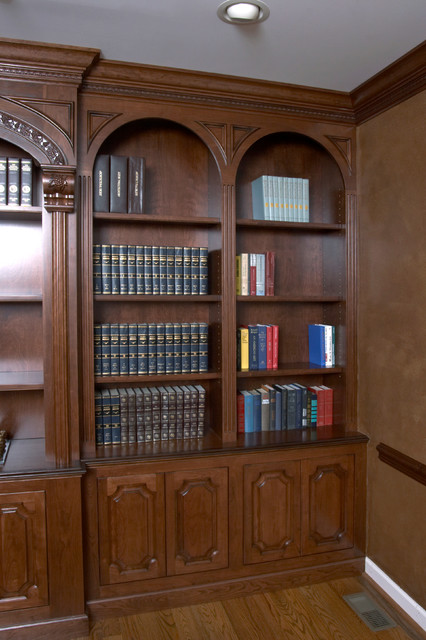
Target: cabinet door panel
x=23 y=557
x=197 y=510
x=328 y=499
x=131 y=528
x=271 y=511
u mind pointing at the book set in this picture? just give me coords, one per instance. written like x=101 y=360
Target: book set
x=147 y=414
x=162 y=348
x=255 y=274
x=257 y=347
x=322 y=345
x=16 y=182
x=284 y=407
x=280 y=198
x=118 y=184
x=121 y=269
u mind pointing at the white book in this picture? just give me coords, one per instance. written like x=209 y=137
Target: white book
x=245 y=274
x=305 y=200
x=281 y=199
x=260 y=274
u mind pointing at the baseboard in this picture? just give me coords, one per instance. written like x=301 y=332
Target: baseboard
x=402 y=599
x=63 y=628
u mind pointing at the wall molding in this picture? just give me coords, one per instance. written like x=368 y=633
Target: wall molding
x=400 y=597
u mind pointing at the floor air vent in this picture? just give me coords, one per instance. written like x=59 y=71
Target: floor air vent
x=369 y=612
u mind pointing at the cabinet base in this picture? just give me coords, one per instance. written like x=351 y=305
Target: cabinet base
x=64 y=628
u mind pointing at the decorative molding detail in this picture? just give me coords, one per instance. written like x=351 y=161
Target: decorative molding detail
x=96 y=120
x=51 y=109
x=58 y=188
x=219 y=133
x=43 y=74
x=228 y=137
x=33 y=135
x=344 y=145
x=403 y=463
x=238 y=135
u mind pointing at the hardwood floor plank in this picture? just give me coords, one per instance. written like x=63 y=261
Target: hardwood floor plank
x=214 y=620
x=158 y=625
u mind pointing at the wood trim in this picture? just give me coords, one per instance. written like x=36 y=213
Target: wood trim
x=399 y=81
x=403 y=463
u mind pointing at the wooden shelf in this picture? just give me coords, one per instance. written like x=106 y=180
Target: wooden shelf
x=21 y=380
x=18 y=297
x=291 y=369
x=297 y=226
x=157 y=379
x=149 y=219
x=16 y=214
x=289 y=299
x=151 y=298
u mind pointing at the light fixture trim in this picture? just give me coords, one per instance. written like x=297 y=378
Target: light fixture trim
x=262 y=13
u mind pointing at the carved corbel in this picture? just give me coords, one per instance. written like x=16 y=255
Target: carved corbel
x=58 y=188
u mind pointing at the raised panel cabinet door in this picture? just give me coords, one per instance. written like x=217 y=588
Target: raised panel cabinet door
x=23 y=556
x=327 y=504
x=271 y=511
x=197 y=513
x=131 y=528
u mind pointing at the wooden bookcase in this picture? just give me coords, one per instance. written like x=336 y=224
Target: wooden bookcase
x=156 y=524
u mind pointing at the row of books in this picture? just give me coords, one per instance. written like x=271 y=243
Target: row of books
x=151 y=270
x=118 y=184
x=255 y=274
x=257 y=347
x=322 y=344
x=280 y=198
x=149 y=414
x=154 y=348
x=16 y=181
x=281 y=407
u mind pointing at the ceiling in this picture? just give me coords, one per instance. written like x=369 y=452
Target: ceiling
x=332 y=44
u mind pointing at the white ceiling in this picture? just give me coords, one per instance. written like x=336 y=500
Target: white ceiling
x=332 y=44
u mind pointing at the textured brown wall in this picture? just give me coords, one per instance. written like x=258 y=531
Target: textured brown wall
x=392 y=333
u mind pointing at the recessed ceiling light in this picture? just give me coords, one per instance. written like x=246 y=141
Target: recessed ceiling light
x=243 y=12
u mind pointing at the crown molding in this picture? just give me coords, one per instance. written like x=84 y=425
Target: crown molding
x=399 y=81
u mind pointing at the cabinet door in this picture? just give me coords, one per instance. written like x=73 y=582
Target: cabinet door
x=328 y=504
x=23 y=557
x=131 y=528
x=271 y=511
x=197 y=512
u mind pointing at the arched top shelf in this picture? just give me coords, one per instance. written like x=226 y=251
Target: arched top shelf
x=181 y=174
x=291 y=154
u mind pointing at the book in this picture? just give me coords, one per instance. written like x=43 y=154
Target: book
x=106 y=268
x=161 y=348
x=101 y=188
x=140 y=270
x=169 y=348
x=257 y=410
x=237 y=273
x=133 y=349
x=122 y=252
x=252 y=274
x=264 y=401
x=243 y=337
x=106 y=416
x=262 y=347
x=131 y=270
x=123 y=330
x=124 y=415
x=260 y=274
x=106 y=349
x=155 y=262
x=316 y=336
x=203 y=345
x=261 y=199
x=13 y=181
x=115 y=416
x=170 y=270
x=186 y=271
x=3 y=181
x=136 y=184
x=186 y=347
x=253 y=333
x=248 y=411
x=245 y=274
x=152 y=348
x=270 y=273
x=328 y=403
x=195 y=270
x=97 y=268
x=240 y=412
x=114 y=349
x=291 y=406
x=272 y=406
x=179 y=272
x=177 y=347
x=26 y=186
x=118 y=184
x=142 y=349
x=132 y=415
x=275 y=345
x=194 y=346
x=97 y=342
x=99 y=430
x=147 y=266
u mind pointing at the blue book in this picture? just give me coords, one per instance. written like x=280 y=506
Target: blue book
x=115 y=416
x=194 y=348
x=298 y=406
x=170 y=270
x=131 y=269
x=291 y=407
x=195 y=270
x=283 y=400
x=177 y=347
x=186 y=271
x=99 y=429
x=203 y=344
x=161 y=348
x=304 y=404
x=97 y=339
x=262 y=347
x=133 y=349
x=106 y=268
x=124 y=285
x=253 y=333
x=106 y=416
x=115 y=269
x=106 y=349
x=204 y=271
x=316 y=334
x=147 y=265
x=257 y=410
x=140 y=274
x=248 y=412
x=114 y=349
x=278 y=407
x=155 y=256
x=123 y=329
x=169 y=335
x=142 y=349
x=261 y=201
x=97 y=269
x=163 y=270
x=179 y=271
x=152 y=349
x=186 y=348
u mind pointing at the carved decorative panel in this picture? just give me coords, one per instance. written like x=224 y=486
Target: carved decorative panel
x=58 y=188
x=96 y=120
x=23 y=557
x=20 y=128
x=60 y=114
x=197 y=505
x=271 y=511
x=328 y=503
x=228 y=137
x=131 y=528
x=344 y=145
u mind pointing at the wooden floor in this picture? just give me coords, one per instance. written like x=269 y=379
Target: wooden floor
x=316 y=612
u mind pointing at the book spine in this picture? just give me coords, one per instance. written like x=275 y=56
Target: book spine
x=106 y=416
x=97 y=342
x=131 y=270
x=133 y=349
x=262 y=347
x=186 y=348
x=140 y=273
x=240 y=412
x=123 y=330
x=115 y=416
x=291 y=408
x=269 y=346
x=13 y=181
x=204 y=271
x=245 y=274
x=252 y=274
x=316 y=336
x=124 y=284
x=118 y=184
x=106 y=268
x=260 y=274
x=244 y=333
x=142 y=349
x=155 y=257
x=203 y=363
x=26 y=189
x=147 y=414
x=194 y=348
x=170 y=271
x=148 y=269
x=101 y=184
x=136 y=184
x=275 y=345
x=257 y=410
x=97 y=269
x=306 y=213
x=140 y=428
x=238 y=274
x=169 y=349
x=270 y=273
x=3 y=180
x=99 y=430
x=106 y=348
x=124 y=415
x=156 y=413
x=195 y=270
x=187 y=271
x=115 y=268
x=161 y=348
x=179 y=271
x=115 y=349
x=179 y=412
x=253 y=331
x=132 y=415
x=177 y=347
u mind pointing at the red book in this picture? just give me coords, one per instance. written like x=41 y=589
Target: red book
x=270 y=273
x=328 y=404
x=252 y=279
x=240 y=412
x=275 y=331
x=269 y=349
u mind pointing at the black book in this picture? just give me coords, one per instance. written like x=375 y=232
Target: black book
x=124 y=415
x=106 y=268
x=148 y=269
x=99 y=429
x=291 y=406
x=204 y=271
x=131 y=270
x=304 y=404
x=133 y=349
x=26 y=189
x=272 y=405
x=203 y=346
x=118 y=184
x=179 y=271
x=186 y=271
x=155 y=252
x=3 y=181
x=136 y=184
x=142 y=349
x=169 y=351
x=115 y=269
x=123 y=329
x=152 y=348
x=177 y=347
x=140 y=271
x=106 y=416
x=101 y=184
x=106 y=348
x=195 y=270
x=124 y=285
x=97 y=338
x=13 y=181
x=115 y=349
x=115 y=416
x=161 y=348
x=170 y=270
x=132 y=415
x=97 y=269
x=283 y=410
